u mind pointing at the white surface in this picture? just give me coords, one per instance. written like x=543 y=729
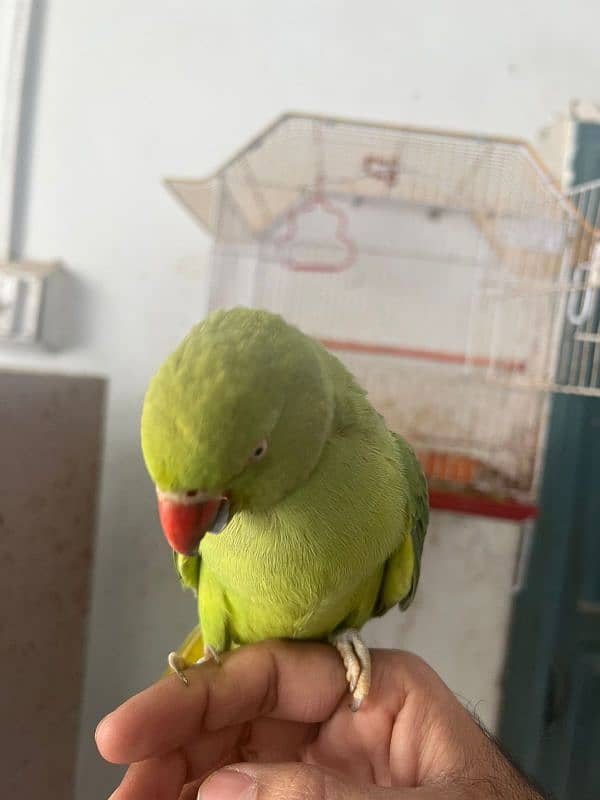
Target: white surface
x=131 y=92
x=14 y=26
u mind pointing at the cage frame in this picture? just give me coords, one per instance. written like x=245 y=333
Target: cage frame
x=454 y=500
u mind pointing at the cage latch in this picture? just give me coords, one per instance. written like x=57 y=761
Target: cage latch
x=575 y=317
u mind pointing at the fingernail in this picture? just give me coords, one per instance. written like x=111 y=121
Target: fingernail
x=228 y=784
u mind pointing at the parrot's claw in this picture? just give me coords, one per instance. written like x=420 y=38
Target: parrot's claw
x=210 y=654
x=178 y=665
x=357 y=660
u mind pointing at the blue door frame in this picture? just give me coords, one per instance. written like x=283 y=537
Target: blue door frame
x=551 y=700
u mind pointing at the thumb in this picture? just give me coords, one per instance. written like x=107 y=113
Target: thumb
x=290 y=782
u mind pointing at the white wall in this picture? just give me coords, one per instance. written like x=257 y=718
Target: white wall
x=131 y=92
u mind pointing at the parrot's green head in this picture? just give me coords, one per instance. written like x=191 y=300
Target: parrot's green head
x=236 y=418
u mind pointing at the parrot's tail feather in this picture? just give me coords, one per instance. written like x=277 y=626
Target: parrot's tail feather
x=191 y=650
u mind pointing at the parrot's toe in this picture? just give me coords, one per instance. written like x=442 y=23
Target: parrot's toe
x=210 y=654
x=357 y=661
x=178 y=665
x=352 y=677
x=216 y=657
x=352 y=668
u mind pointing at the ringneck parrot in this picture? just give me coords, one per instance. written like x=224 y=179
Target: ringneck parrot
x=292 y=511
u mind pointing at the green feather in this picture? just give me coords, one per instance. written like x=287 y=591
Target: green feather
x=403 y=569
x=188 y=570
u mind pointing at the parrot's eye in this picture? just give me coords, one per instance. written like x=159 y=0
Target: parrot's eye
x=259 y=451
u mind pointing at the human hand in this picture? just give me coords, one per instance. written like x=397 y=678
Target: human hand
x=277 y=716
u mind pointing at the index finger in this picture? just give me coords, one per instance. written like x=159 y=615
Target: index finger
x=300 y=682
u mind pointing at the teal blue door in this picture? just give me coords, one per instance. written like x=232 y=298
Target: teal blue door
x=551 y=702
x=569 y=755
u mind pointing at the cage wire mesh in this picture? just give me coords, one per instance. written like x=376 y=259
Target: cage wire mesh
x=448 y=271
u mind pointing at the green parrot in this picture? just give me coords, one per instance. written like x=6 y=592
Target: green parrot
x=254 y=434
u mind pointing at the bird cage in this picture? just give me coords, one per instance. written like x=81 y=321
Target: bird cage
x=447 y=271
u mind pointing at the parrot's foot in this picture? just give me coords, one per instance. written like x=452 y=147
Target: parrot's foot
x=179 y=664
x=210 y=654
x=357 y=660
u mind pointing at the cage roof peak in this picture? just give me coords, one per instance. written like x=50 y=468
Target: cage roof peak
x=302 y=154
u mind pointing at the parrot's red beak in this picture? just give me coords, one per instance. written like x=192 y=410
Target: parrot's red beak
x=186 y=518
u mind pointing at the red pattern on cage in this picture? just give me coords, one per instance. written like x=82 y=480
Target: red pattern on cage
x=481 y=505
x=318 y=200
x=441 y=356
x=382 y=169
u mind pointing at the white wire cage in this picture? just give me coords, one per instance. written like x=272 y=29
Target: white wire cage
x=447 y=271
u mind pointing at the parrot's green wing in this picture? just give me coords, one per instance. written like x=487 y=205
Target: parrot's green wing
x=403 y=568
x=188 y=570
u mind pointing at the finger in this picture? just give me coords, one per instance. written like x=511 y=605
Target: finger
x=297 y=782
x=190 y=791
x=267 y=740
x=275 y=740
x=160 y=778
x=166 y=775
x=300 y=682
